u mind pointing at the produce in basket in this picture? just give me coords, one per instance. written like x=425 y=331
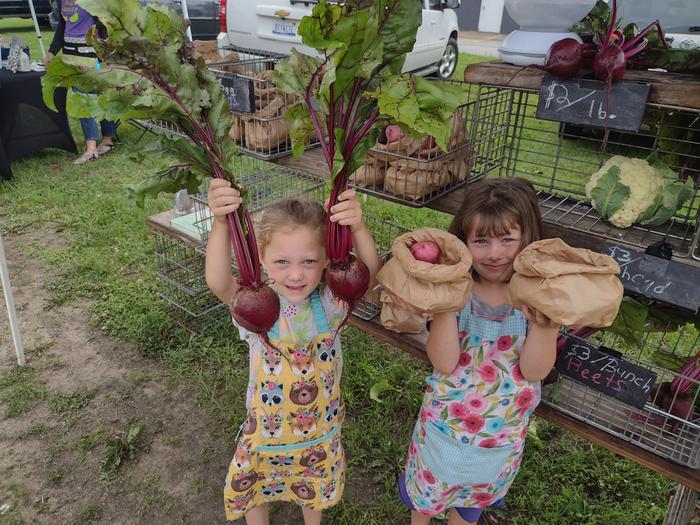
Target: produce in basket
x=355 y=87
x=427 y=287
x=674 y=396
x=149 y=72
x=627 y=190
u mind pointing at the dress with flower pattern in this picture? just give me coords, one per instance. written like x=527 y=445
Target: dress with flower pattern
x=468 y=441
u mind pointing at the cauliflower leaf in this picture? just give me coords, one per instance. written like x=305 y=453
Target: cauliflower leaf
x=609 y=195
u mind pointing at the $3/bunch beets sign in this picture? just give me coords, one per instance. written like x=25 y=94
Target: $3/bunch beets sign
x=604 y=370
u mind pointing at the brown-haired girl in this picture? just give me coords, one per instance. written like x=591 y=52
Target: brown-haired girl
x=488 y=360
x=289 y=447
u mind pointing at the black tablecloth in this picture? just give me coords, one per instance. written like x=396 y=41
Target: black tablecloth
x=26 y=124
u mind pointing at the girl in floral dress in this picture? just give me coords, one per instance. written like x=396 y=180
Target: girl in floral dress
x=289 y=447
x=488 y=361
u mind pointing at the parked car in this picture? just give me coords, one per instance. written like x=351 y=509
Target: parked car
x=204 y=16
x=20 y=9
x=271 y=26
x=680 y=19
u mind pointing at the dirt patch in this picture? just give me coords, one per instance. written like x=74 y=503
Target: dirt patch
x=86 y=387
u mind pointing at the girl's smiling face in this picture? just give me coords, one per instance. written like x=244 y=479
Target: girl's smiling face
x=493 y=255
x=295 y=259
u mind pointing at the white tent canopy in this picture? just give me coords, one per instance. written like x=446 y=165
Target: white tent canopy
x=10 y=302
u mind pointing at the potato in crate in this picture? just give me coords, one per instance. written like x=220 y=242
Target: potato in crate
x=264 y=132
x=413 y=170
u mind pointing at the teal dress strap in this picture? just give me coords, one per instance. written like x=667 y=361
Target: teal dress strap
x=319 y=316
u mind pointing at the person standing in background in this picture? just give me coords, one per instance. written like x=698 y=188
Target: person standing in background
x=74 y=23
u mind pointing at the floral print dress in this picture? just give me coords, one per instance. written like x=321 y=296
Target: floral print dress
x=468 y=441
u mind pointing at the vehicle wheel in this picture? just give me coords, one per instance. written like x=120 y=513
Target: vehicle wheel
x=447 y=65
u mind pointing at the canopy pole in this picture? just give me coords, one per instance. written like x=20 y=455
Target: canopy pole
x=38 y=31
x=186 y=16
x=10 y=302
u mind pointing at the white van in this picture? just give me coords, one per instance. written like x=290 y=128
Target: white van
x=271 y=25
x=680 y=19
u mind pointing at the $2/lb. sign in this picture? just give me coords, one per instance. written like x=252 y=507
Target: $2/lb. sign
x=239 y=91
x=603 y=369
x=586 y=102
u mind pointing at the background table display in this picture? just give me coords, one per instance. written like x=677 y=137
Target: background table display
x=26 y=124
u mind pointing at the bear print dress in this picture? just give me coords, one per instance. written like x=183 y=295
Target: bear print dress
x=289 y=445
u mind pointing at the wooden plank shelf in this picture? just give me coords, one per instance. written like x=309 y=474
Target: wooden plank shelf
x=667 y=89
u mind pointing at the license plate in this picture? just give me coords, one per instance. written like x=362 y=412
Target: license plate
x=284 y=29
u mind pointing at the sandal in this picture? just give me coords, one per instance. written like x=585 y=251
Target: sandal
x=104 y=148
x=86 y=157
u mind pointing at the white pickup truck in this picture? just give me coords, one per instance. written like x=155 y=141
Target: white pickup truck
x=271 y=25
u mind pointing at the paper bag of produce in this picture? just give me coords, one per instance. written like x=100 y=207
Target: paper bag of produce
x=427 y=287
x=572 y=286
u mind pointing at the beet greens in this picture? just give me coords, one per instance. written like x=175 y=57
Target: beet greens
x=354 y=86
x=149 y=72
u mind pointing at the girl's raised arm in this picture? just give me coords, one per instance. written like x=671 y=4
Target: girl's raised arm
x=443 y=346
x=540 y=349
x=222 y=199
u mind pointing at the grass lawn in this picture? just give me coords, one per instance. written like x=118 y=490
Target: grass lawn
x=108 y=259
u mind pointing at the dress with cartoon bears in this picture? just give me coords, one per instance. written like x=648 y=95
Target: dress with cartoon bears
x=289 y=447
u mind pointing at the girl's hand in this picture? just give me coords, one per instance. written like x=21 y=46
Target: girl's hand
x=222 y=199
x=347 y=211
x=538 y=318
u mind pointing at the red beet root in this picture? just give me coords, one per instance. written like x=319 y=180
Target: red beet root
x=348 y=281
x=426 y=251
x=256 y=309
x=609 y=64
x=564 y=58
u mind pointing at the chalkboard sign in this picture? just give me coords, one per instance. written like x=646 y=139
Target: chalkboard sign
x=580 y=101
x=604 y=370
x=669 y=281
x=238 y=90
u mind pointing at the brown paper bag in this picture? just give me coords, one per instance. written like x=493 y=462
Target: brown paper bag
x=369 y=175
x=572 y=286
x=237 y=129
x=403 y=179
x=207 y=49
x=433 y=288
x=269 y=129
x=405 y=147
x=397 y=319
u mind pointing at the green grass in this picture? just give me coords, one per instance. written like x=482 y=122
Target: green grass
x=108 y=259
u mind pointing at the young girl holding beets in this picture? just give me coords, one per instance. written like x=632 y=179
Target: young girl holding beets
x=289 y=449
x=488 y=360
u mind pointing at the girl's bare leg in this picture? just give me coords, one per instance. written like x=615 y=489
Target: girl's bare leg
x=419 y=519
x=311 y=516
x=257 y=515
x=453 y=518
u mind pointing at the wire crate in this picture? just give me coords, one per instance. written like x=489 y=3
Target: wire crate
x=560 y=158
x=664 y=431
x=415 y=171
x=265 y=133
x=180 y=265
x=266 y=183
x=160 y=127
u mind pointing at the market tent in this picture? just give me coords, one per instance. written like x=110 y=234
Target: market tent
x=36 y=28
x=10 y=302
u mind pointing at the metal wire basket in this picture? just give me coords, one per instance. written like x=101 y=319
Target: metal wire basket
x=659 y=427
x=415 y=171
x=265 y=133
x=161 y=127
x=180 y=270
x=266 y=183
x=560 y=158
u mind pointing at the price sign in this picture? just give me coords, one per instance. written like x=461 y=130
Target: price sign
x=605 y=370
x=669 y=281
x=239 y=91
x=587 y=102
